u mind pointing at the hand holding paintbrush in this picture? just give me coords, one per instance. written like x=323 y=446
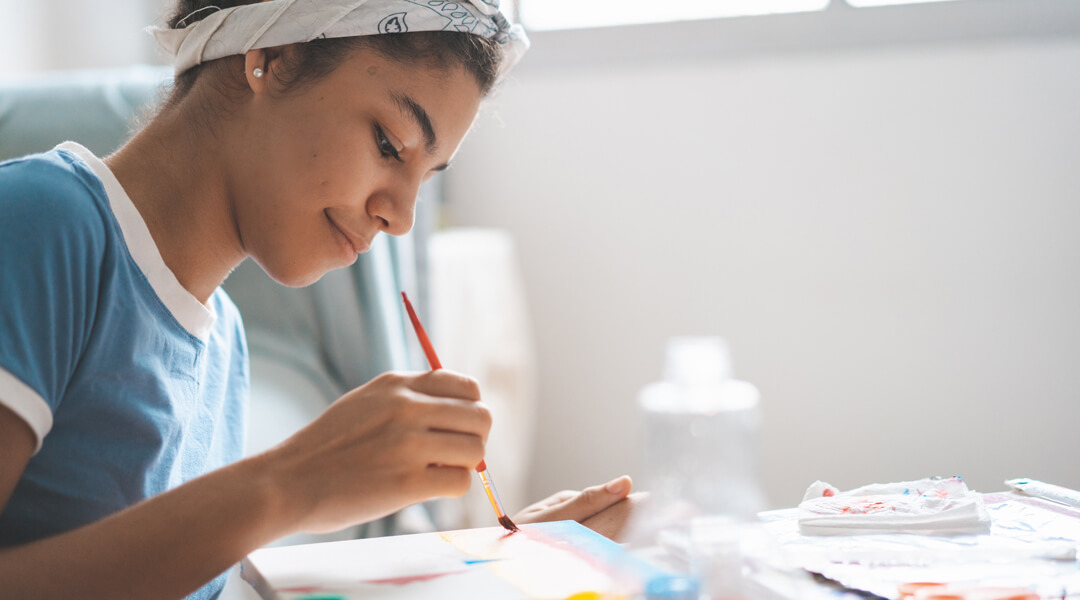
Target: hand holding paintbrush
x=433 y=361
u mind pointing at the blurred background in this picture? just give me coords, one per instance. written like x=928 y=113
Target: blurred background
x=874 y=202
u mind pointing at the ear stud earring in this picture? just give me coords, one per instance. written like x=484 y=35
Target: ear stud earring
x=257 y=72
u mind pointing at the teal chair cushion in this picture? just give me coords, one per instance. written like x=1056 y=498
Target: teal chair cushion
x=94 y=108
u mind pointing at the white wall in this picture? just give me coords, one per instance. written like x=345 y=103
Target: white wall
x=889 y=237
x=45 y=35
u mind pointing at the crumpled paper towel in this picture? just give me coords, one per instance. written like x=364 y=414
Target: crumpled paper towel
x=933 y=506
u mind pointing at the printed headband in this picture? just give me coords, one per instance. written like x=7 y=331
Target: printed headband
x=236 y=30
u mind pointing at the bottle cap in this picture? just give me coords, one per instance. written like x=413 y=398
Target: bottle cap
x=695 y=361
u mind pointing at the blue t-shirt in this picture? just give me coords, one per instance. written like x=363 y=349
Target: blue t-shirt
x=131 y=385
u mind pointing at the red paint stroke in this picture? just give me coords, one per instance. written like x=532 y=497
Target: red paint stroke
x=409 y=578
x=862 y=506
x=509 y=533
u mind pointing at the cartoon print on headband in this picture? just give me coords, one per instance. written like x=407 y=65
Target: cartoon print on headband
x=394 y=23
x=459 y=17
x=456 y=16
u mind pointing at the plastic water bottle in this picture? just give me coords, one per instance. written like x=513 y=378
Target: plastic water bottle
x=701 y=470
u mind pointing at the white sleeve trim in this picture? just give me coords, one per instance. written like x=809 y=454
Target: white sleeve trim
x=22 y=400
x=193 y=315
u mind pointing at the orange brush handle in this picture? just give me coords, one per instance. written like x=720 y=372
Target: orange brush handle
x=425 y=343
x=429 y=350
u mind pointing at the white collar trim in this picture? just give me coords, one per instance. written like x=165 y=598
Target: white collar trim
x=193 y=315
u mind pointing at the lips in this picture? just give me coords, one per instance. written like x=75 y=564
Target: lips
x=358 y=243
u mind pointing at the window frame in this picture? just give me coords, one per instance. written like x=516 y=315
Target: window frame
x=767 y=12
x=839 y=27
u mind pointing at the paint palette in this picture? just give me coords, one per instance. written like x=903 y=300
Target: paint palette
x=562 y=559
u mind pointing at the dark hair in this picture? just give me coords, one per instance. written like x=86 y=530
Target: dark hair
x=443 y=50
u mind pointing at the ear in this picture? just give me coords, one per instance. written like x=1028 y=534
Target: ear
x=267 y=60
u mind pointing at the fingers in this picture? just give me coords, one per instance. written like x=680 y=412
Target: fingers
x=560 y=498
x=446 y=384
x=445 y=410
x=400 y=439
x=441 y=414
x=452 y=449
x=591 y=500
x=440 y=400
x=447 y=481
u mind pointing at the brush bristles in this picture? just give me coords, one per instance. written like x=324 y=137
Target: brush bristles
x=508 y=524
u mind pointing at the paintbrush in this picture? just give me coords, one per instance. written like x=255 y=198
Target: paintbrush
x=433 y=360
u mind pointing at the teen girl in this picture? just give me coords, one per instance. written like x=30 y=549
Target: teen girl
x=297 y=131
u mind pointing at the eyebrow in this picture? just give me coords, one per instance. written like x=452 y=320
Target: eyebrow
x=411 y=108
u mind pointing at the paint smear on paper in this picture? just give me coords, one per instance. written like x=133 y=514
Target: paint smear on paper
x=587 y=565
x=562 y=560
x=408 y=579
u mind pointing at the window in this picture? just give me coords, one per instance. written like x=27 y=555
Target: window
x=539 y=15
x=862 y=3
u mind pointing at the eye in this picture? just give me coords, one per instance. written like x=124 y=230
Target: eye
x=386 y=149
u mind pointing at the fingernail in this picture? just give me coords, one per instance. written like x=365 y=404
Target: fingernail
x=617 y=486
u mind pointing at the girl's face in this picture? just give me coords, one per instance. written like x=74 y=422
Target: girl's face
x=321 y=170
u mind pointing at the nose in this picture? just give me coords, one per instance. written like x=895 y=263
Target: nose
x=394 y=207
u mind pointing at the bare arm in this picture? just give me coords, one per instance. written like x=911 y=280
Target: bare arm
x=396 y=441
x=16 y=447
x=165 y=547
